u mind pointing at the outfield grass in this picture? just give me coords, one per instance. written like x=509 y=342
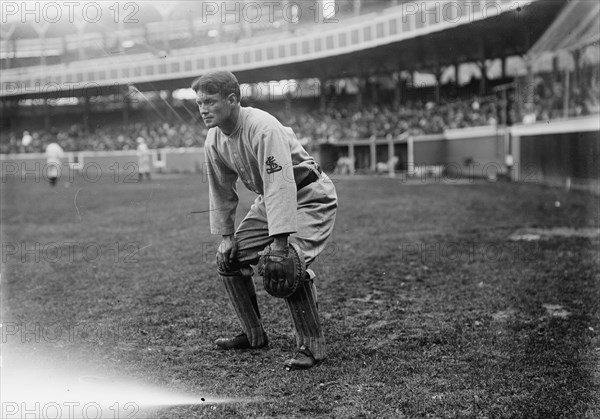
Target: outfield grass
x=428 y=308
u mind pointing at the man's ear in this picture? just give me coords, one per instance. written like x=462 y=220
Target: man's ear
x=232 y=99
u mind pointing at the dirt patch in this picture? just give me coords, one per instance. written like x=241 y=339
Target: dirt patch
x=504 y=315
x=556 y=310
x=533 y=234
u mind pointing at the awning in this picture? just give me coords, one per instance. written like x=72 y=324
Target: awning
x=577 y=26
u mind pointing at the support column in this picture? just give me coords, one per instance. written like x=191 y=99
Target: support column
x=391 y=155
x=373 y=154
x=10 y=42
x=457 y=74
x=351 y=156
x=529 y=86
x=438 y=84
x=483 y=81
x=361 y=91
x=503 y=61
x=410 y=156
x=126 y=106
x=46 y=115
x=120 y=29
x=515 y=173
x=576 y=82
x=86 y=113
x=397 y=90
x=14 y=53
x=322 y=95
x=567 y=95
x=374 y=91
x=169 y=104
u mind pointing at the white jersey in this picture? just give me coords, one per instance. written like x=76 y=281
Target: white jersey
x=144 y=158
x=261 y=152
x=54 y=156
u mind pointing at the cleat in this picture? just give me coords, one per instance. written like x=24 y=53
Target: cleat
x=303 y=359
x=239 y=342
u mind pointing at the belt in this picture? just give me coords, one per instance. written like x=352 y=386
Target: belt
x=313 y=175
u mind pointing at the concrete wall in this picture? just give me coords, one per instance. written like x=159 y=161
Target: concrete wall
x=564 y=153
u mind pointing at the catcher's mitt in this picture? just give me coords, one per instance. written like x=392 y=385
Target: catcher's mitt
x=282 y=270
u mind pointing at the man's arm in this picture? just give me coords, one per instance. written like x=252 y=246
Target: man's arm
x=222 y=194
x=279 y=189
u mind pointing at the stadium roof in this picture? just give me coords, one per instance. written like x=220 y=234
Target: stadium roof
x=577 y=26
x=503 y=35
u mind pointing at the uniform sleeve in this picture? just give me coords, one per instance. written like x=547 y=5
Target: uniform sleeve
x=222 y=194
x=280 y=195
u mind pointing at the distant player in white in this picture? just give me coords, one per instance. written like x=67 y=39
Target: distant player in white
x=296 y=203
x=27 y=139
x=144 y=159
x=54 y=156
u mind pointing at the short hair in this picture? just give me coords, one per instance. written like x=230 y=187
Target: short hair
x=213 y=82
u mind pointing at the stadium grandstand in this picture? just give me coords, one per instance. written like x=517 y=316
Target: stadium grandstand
x=366 y=82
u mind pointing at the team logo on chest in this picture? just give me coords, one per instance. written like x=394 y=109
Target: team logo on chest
x=273 y=165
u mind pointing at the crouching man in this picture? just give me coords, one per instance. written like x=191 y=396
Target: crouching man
x=287 y=225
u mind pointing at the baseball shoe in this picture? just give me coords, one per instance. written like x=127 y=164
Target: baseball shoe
x=303 y=359
x=239 y=342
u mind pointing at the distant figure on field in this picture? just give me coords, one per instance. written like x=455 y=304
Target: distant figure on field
x=26 y=140
x=144 y=159
x=54 y=156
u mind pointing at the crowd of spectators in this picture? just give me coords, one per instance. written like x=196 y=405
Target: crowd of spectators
x=331 y=125
x=108 y=137
x=549 y=96
x=338 y=121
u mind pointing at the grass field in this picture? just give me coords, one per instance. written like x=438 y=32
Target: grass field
x=429 y=309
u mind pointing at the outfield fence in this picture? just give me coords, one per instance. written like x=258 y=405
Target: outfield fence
x=558 y=152
x=94 y=164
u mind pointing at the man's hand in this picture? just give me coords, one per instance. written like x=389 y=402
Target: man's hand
x=280 y=242
x=226 y=253
x=282 y=270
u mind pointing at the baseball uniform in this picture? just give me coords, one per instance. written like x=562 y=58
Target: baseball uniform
x=294 y=197
x=54 y=156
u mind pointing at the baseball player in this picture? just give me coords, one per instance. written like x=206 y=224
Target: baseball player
x=144 y=159
x=54 y=156
x=287 y=225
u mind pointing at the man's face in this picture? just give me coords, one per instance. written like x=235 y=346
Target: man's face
x=214 y=109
